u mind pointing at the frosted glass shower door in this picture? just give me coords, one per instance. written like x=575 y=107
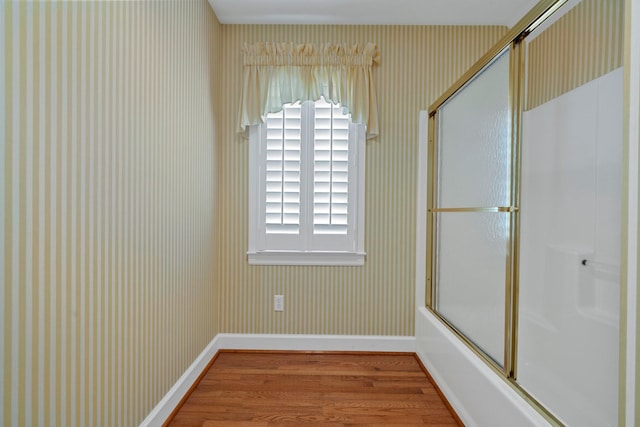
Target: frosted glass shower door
x=471 y=211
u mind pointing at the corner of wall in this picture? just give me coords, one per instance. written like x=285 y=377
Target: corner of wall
x=215 y=85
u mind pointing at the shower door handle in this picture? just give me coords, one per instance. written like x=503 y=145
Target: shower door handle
x=509 y=209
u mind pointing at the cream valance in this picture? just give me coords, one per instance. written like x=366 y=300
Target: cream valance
x=279 y=73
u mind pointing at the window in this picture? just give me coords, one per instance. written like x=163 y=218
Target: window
x=307 y=187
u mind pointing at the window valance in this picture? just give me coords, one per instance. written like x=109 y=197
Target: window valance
x=279 y=73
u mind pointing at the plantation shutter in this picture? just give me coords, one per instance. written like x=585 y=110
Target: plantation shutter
x=306 y=195
x=283 y=160
x=330 y=169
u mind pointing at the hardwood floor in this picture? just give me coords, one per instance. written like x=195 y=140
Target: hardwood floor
x=322 y=389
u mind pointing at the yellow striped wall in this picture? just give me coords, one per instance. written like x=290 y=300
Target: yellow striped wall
x=108 y=206
x=584 y=44
x=417 y=65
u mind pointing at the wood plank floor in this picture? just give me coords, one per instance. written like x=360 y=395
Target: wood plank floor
x=322 y=389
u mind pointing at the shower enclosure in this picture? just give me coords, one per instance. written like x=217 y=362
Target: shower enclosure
x=524 y=220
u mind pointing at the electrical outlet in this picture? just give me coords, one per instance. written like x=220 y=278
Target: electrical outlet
x=278 y=303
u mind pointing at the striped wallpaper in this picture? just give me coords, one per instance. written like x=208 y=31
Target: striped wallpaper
x=584 y=44
x=108 y=206
x=417 y=65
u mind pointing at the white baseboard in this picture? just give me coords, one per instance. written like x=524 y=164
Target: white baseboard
x=285 y=342
x=316 y=342
x=170 y=401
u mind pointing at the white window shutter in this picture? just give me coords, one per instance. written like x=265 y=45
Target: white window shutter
x=306 y=187
x=282 y=180
x=330 y=169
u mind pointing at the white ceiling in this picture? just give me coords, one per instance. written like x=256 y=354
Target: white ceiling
x=398 y=12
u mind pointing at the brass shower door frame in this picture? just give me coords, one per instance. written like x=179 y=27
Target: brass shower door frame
x=514 y=41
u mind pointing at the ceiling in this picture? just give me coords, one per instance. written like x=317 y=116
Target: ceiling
x=386 y=12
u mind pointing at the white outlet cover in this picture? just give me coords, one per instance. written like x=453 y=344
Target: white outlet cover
x=278 y=302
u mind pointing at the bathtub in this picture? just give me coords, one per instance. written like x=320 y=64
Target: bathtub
x=480 y=397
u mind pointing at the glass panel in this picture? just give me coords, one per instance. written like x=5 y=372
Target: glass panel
x=471 y=259
x=474 y=145
x=473 y=170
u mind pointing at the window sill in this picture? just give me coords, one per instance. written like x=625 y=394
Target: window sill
x=306 y=258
